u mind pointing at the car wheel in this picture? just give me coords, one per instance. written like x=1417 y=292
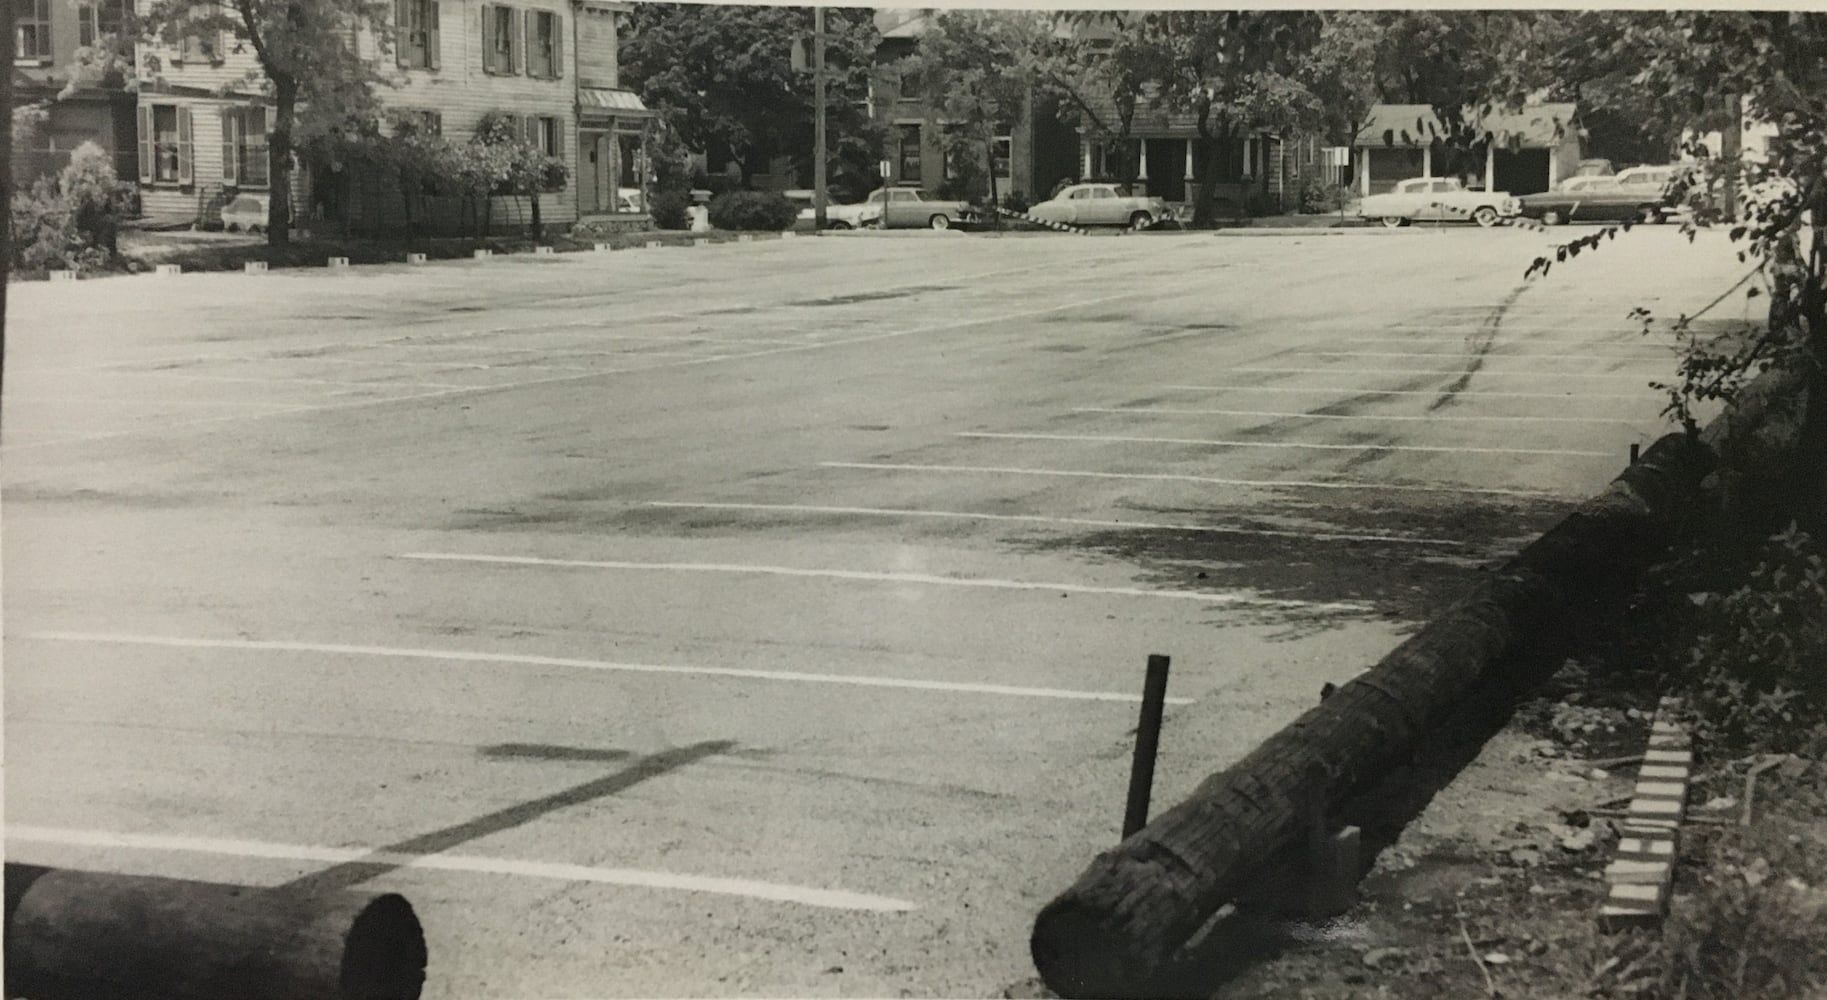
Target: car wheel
x=1393 y=221
x=1552 y=218
x=1141 y=220
x=940 y=222
x=840 y=224
x=1649 y=214
x=229 y=227
x=1485 y=216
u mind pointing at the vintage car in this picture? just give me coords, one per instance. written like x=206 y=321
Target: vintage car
x=836 y=216
x=246 y=213
x=1102 y=205
x=1595 y=199
x=911 y=208
x=1437 y=199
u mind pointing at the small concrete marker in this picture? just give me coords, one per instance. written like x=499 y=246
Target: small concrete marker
x=254 y=267
x=1633 y=872
x=600 y=247
x=1662 y=772
x=1660 y=790
x=482 y=254
x=545 y=250
x=700 y=242
x=789 y=235
x=63 y=275
x=337 y=262
x=745 y=238
x=415 y=258
x=166 y=270
x=654 y=244
x=1682 y=758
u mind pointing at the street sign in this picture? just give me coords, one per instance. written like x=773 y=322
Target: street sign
x=800 y=63
x=886 y=168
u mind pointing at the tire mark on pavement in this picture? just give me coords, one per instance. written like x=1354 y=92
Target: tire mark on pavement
x=1481 y=345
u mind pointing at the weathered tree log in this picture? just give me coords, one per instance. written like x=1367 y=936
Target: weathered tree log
x=100 y=936
x=1116 y=931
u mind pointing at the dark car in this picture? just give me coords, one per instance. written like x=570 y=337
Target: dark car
x=1595 y=199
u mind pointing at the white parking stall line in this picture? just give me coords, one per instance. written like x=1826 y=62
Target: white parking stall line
x=571 y=663
x=1223 y=443
x=877 y=576
x=1357 y=391
x=1492 y=356
x=801 y=508
x=1633 y=341
x=1275 y=484
x=776 y=892
x=1368 y=417
x=1482 y=372
x=153 y=403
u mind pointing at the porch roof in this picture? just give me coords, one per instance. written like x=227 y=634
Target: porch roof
x=1152 y=120
x=1537 y=126
x=605 y=102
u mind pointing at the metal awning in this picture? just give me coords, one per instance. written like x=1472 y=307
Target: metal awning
x=603 y=102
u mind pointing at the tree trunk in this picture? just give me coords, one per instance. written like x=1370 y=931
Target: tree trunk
x=538 y=230
x=1205 y=214
x=279 y=161
x=1116 y=932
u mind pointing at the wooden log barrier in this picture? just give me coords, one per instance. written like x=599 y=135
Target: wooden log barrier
x=1116 y=931
x=98 y=936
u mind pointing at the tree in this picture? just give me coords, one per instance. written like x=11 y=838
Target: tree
x=977 y=68
x=721 y=77
x=308 y=63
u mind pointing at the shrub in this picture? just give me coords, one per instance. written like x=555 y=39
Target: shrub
x=1758 y=664
x=95 y=197
x=1318 y=197
x=766 y=211
x=671 y=210
x=70 y=222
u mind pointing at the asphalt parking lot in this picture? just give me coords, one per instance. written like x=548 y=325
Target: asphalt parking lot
x=762 y=618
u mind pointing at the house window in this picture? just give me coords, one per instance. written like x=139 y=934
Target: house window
x=421 y=121
x=547 y=136
x=95 y=21
x=544 y=50
x=205 y=45
x=244 y=154
x=419 y=43
x=32 y=29
x=910 y=153
x=912 y=85
x=500 y=31
x=165 y=144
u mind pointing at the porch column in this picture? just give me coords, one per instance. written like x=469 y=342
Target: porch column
x=1490 y=165
x=1189 y=160
x=1364 y=173
x=1141 y=159
x=1084 y=147
x=1427 y=160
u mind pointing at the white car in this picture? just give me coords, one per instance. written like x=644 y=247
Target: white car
x=247 y=213
x=1102 y=205
x=1431 y=199
x=836 y=216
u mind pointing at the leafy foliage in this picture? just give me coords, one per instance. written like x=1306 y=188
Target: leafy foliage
x=1759 y=663
x=672 y=210
x=721 y=76
x=978 y=68
x=308 y=62
x=759 y=211
x=70 y=222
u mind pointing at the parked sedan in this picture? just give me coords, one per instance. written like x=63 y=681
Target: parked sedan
x=246 y=213
x=1102 y=205
x=836 y=216
x=1437 y=199
x=912 y=208
x=1595 y=199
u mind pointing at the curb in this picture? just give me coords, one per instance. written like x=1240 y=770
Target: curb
x=1639 y=881
x=1060 y=226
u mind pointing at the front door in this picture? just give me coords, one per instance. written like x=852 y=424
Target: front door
x=596 y=185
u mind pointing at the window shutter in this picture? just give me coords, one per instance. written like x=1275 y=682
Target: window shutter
x=187 y=172
x=558 y=47
x=146 y=139
x=488 y=38
x=434 y=47
x=85 y=24
x=402 y=32
x=529 y=30
x=517 y=45
x=231 y=121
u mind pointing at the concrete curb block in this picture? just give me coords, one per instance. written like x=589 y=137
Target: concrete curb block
x=166 y=270
x=1639 y=880
x=254 y=267
x=63 y=275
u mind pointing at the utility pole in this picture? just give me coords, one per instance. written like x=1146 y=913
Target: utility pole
x=818 y=126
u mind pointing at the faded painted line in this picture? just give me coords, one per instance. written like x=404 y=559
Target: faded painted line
x=775 y=892
x=118 y=401
x=468 y=656
x=1482 y=372
x=1595 y=340
x=1354 y=390
x=195 y=377
x=1488 y=357
x=1299 y=415
x=1210 y=480
x=800 y=508
x=1220 y=443
x=873 y=576
x=451 y=392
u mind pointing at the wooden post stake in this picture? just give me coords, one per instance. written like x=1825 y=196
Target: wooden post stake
x=1148 y=742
